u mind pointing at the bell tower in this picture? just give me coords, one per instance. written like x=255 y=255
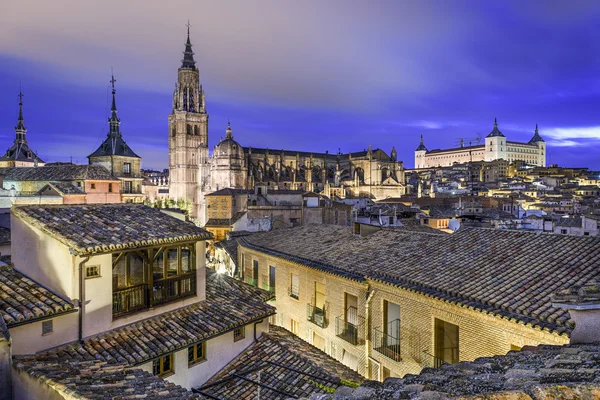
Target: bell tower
x=188 y=134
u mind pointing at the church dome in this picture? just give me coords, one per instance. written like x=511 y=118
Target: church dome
x=228 y=148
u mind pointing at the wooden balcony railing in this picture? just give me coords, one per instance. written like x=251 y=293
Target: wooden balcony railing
x=130 y=299
x=135 y=298
x=174 y=288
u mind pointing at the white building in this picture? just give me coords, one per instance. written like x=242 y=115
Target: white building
x=496 y=147
x=122 y=284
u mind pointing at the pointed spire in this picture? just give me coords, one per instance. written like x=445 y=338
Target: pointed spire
x=114 y=121
x=421 y=145
x=188 y=54
x=495 y=132
x=228 y=134
x=20 y=123
x=495 y=122
x=536 y=136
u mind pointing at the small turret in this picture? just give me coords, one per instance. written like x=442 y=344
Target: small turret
x=188 y=55
x=536 y=136
x=421 y=145
x=394 y=154
x=495 y=132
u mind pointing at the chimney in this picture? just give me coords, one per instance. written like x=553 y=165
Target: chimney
x=583 y=304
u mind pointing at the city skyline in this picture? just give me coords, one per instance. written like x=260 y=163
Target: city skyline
x=447 y=74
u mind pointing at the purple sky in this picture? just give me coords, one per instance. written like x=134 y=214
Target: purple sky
x=308 y=75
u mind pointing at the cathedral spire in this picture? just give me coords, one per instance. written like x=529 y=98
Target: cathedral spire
x=188 y=54
x=20 y=122
x=421 y=145
x=114 y=121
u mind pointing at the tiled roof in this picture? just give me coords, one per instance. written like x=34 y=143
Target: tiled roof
x=4 y=235
x=377 y=153
x=20 y=151
x=96 y=380
x=511 y=273
x=286 y=361
x=114 y=146
x=542 y=372
x=65 y=188
x=59 y=173
x=215 y=222
x=231 y=247
x=24 y=300
x=229 y=192
x=103 y=227
x=228 y=305
x=571 y=222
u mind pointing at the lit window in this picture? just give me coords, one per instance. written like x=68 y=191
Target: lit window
x=196 y=353
x=239 y=333
x=163 y=365
x=47 y=327
x=92 y=271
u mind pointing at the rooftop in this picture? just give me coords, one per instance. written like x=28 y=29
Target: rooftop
x=282 y=361
x=92 y=228
x=542 y=372
x=24 y=300
x=512 y=273
x=229 y=192
x=215 y=222
x=229 y=304
x=58 y=173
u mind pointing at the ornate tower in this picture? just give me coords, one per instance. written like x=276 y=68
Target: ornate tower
x=19 y=154
x=188 y=136
x=420 y=153
x=495 y=144
x=541 y=144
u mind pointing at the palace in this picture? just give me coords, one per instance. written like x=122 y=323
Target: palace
x=496 y=147
x=194 y=173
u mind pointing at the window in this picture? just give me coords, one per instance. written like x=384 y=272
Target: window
x=586 y=234
x=294 y=327
x=128 y=187
x=163 y=366
x=319 y=295
x=563 y=231
x=446 y=343
x=93 y=186
x=92 y=271
x=47 y=327
x=196 y=353
x=127 y=168
x=239 y=333
x=318 y=341
x=271 y=278
x=110 y=188
x=295 y=286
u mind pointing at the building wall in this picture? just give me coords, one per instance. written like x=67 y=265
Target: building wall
x=5 y=368
x=28 y=338
x=28 y=387
x=479 y=334
x=219 y=352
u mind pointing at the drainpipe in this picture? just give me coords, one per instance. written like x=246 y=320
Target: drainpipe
x=81 y=295
x=256 y=323
x=367 y=330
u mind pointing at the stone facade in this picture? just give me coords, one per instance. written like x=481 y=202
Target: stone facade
x=194 y=173
x=496 y=147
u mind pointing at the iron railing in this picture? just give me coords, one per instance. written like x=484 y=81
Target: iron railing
x=431 y=361
x=130 y=299
x=350 y=327
x=316 y=315
x=387 y=342
x=174 y=288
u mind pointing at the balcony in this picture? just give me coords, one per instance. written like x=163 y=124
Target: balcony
x=139 y=297
x=316 y=315
x=352 y=333
x=174 y=288
x=431 y=361
x=386 y=344
x=130 y=300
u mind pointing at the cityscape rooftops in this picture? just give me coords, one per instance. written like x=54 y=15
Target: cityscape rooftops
x=58 y=173
x=108 y=227
x=23 y=300
x=282 y=361
x=512 y=273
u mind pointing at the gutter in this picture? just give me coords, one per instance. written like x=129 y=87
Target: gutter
x=81 y=296
x=256 y=323
x=44 y=318
x=367 y=329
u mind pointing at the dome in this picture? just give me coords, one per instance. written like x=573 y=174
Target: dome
x=228 y=148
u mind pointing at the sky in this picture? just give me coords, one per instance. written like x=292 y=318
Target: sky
x=307 y=75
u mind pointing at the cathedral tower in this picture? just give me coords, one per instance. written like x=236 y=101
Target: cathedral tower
x=188 y=135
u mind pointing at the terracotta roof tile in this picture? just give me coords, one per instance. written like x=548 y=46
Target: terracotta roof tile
x=91 y=228
x=24 y=300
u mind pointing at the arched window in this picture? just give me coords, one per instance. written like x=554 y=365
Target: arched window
x=196 y=130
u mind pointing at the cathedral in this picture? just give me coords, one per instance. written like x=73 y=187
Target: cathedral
x=194 y=172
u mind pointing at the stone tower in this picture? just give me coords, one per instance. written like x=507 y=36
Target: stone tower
x=541 y=144
x=495 y=144
x=188 y=135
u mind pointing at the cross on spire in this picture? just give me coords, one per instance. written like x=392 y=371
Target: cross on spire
x=21 y=96
x=188 y=26
x=112 y=80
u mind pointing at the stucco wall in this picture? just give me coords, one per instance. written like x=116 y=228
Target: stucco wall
x=5 y=369
x=27 y=387
x=219 y=352
x=28 y=339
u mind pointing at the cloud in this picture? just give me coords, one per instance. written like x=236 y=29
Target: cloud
x=572 y=137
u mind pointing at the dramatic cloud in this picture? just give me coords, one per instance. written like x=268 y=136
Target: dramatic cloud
x=306 y=75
